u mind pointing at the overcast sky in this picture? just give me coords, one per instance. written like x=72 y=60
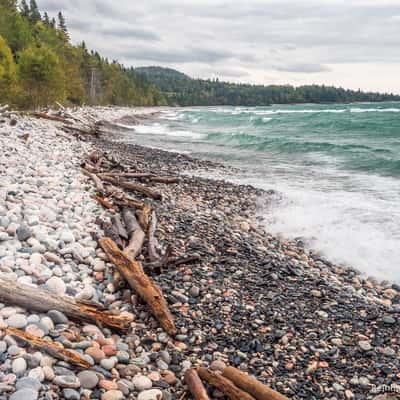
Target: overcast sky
x=350 y=43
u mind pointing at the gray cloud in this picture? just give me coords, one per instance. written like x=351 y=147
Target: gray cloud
x=262 y=41
x=303 y=68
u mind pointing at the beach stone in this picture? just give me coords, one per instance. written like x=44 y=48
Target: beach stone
x=67 y=236
x=25 y=394
x=96 y=353
x=108 y=385
x=112 y=395
x=57 y=317
x=387 y=319
x=57 y=285
x=108 y=363
x=194 y=291
x=218 y=365
x=389 y=352
x=28 y=383
x=67 y=381
x=3 y=347
x=17 y=321
x=88 y=379
x=142 y=382
x=71 y=394
x=19 y=366
x=37 y=373
x=365 y=345
x=48 y=373
x=153 y=394
x=23 y=233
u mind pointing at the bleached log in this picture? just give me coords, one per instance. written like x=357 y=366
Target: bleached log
x=35 y=299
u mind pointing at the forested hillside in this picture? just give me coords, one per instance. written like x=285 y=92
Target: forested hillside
x=39 y=65
x=179 y=89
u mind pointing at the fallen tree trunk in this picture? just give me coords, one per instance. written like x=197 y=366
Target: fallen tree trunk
x=140 y=282
x=224 y=385
x=251 y=385
x=151 y=248
x=40 y=300
x=51 y=118
x=54 y=349
x=195 y=385
x=135 y=233
x=135 y=187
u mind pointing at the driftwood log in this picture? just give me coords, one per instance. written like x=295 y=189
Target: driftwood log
x=135 y=232
x=98 y=183
x=134 y=187
x=224 y=385
x=51 y=117
x=105 y=203
x=54 y=349
x=144 y=216
x=251 y=385
x=40 y=300
x=140 y=282
x=151 y=248
x=195 y=385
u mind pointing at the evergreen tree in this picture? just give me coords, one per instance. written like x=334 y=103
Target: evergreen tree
x=53 y=22
x=46 y=19
x=62 y=26
x=34 y=14
x=25 y=11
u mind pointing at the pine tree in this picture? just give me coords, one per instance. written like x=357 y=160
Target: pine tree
x=34 y=14
x=62 y=26
x=25 y=11
x=46 y=19
x=53 y=22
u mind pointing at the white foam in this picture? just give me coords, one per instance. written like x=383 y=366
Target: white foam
x=357 y=228
x=160 y=129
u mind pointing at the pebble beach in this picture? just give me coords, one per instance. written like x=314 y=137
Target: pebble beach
x=273 y=308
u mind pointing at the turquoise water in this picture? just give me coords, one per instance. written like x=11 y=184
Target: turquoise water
x=336 y=169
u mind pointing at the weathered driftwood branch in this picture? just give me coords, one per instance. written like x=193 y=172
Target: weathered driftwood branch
x=135 y=187
x=110 y=231
x=135 y=233
x=251 y=385
x=195 y=385
x=51 y=117
x=116 y=221
x=98 y=183
x=144 y=216
x=54 y=349
x=140 y=282
x=151 y=245
x=104 y=202
x=35 y=299
x=224 y=385
x=82 y=131
x=141 y=175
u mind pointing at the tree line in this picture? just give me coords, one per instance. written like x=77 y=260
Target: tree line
x=39 y=65
x=180 y=89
